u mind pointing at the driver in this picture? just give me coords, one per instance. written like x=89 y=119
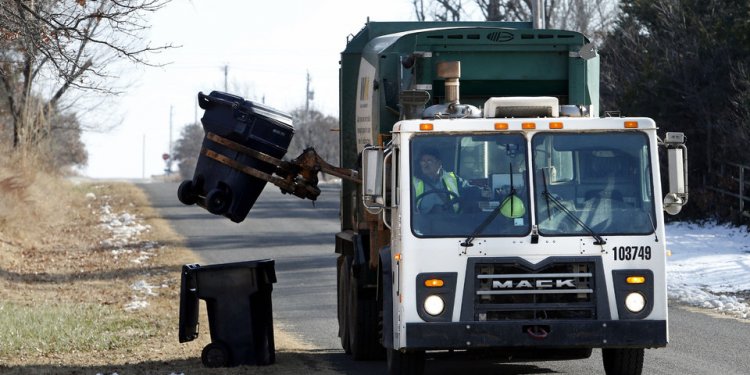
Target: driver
x=436 y=188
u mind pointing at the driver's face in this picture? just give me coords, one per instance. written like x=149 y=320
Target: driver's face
x=430 y=166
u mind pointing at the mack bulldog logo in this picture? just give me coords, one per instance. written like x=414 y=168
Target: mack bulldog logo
x=534 y=284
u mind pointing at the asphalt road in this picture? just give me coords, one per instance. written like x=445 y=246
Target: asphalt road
x=300 y=238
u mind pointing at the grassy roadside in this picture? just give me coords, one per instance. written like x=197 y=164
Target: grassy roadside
x=77 y=296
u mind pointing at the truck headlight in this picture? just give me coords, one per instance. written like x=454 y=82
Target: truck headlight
x=434 y=305
x=635 y=302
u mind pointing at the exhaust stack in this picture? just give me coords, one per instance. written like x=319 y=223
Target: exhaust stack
x=451 y=71
x=452 y=107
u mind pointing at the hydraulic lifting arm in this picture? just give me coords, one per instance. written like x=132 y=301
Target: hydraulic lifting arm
x=298 y=176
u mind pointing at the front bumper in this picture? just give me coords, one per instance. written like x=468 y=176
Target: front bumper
x=558 y=334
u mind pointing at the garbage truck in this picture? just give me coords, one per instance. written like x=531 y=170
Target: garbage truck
x=541 y=235
x=487 y=209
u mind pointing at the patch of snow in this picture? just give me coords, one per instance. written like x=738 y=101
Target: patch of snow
x=123 y=227
x=125 y=230
x=709 y=266
x=143 y=286
x=136 y=304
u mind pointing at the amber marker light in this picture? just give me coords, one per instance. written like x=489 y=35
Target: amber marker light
x=425 y=126
x=397 y=257
x=528 y=125
x=555 y=125
x=635 y=280
x=434 y=283
x=631 y=124
x=501 y=126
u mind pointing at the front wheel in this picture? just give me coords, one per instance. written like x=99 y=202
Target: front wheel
x=624 y=361
x=405 y=363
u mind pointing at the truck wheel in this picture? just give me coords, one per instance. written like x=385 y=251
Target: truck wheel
x=343 y=296
x=185 y=193
x=623 y=361
x=217 y=201
x=405 y=363
x=364 y=334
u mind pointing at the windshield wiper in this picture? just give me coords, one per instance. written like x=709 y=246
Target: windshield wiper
x=491 y=217
x=551 y=198
x=468 y=241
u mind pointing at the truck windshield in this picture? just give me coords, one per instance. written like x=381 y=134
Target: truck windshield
x=461 y=185
x=602 y=180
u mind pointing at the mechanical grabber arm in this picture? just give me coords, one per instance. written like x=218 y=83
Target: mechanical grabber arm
x=298 y=176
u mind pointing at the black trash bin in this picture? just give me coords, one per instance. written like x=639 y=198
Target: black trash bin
x=217 y=186
x=238 y=303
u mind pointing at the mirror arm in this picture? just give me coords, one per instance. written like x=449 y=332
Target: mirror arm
x=388 y=155
x=684 y=195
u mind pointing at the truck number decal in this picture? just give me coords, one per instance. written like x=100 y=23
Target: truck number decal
x=632 y=252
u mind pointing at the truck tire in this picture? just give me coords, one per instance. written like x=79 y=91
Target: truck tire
x=364 y=333
x=342 y=294
x=405 y=363
x=623 y=361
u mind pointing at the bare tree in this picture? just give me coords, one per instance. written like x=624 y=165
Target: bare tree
x=51 y=47
x=439 y=10
x=684 y=63
x=187 y=149
x=64 y=147
x=314 y=129
x=593 y=18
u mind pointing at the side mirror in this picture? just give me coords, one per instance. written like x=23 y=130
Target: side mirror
x=677 y=161
x=372 y=179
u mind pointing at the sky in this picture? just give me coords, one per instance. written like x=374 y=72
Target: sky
x=267 y=47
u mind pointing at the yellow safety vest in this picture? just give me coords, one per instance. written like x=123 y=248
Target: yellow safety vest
x=448 y=178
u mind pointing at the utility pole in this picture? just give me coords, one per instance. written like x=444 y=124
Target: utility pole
x=226 y=73
x=169 y=150
x=309 y=94
x=143 y=157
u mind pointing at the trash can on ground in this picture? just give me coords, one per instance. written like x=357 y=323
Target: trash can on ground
x=232 y=124
x=240 y=314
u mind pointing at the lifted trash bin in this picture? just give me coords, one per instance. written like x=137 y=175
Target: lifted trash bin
x=232 y=126
x=238 y=303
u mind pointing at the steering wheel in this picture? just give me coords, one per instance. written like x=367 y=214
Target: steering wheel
x=453 y=199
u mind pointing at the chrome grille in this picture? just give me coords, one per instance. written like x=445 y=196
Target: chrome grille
x=510 y=291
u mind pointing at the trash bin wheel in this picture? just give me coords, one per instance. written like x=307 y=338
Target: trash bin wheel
x=217 y=201
x=215 y=354
x=186 y=193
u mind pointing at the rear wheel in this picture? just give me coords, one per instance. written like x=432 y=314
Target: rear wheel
x=623 y=361
x=405 y=363
x=364 y=333
x=343 y=298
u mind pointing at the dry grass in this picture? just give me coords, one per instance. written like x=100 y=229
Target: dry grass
x=65 y=285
